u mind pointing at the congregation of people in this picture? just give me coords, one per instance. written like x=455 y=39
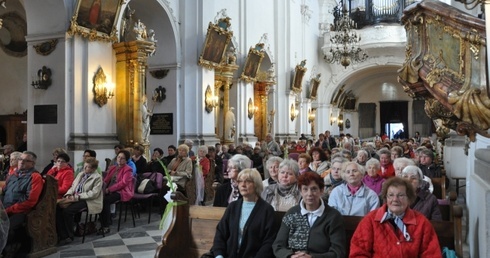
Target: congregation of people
x=314 y=182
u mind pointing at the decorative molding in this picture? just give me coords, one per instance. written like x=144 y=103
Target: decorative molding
x=46 y=48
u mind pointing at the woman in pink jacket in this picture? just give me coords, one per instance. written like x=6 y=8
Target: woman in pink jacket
x=119 y=187
x=395 y=230
x=63 y=172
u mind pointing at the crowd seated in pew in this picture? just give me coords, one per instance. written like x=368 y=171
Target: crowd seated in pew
x=189 y=230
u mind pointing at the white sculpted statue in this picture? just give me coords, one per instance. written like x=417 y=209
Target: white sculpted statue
x=146 y=117
x=229 y=124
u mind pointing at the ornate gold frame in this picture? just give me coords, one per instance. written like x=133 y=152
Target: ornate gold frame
x=46 y=48
x=314 y=84
x=250 y=109
x=253 y=62
x=100 y=30
x=217 y=39
x=299 y=73
x=208 y=100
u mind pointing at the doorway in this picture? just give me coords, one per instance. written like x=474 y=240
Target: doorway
x=394 y=119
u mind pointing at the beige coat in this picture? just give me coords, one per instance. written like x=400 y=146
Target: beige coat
x=91 y=193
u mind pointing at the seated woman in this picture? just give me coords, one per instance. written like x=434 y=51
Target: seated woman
x=228 y=192
x=55 y=153
x=272 y=164
x=319 y=163
x=285 y=194
x=320 y=233
x=139 y=160
x=334 y=178
x=362 y=157
x=63 y=172
x=85 y=192
x=119 y=187
x=156 y=163
x=425 y=202
x=14 y=162
x=372 y=179
x=395 y=230
x=304 y=160
x=247 y=227
x=180 y=168
x=353 y=197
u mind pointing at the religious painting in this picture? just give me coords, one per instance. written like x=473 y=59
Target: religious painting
x=299 y=73
x=252 y=64
x=217 y=39
x=314 y=84
x=96 y=19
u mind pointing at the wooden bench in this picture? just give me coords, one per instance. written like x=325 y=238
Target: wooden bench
x=41 y=221
x=191 y=229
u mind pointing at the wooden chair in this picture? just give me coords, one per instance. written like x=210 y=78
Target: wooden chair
x=157 y=178
x=439 y=184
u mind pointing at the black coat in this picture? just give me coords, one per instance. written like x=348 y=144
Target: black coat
x=258 y=233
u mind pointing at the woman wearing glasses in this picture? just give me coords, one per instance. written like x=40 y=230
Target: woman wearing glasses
x=395 y=230
x=85 y=192
x=228 y=192
x=63 y=172
x=247 y=227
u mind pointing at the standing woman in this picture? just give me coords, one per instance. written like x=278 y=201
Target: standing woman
x=204 y=162
x=119 y=186
x=229 y=192
x=85 y=192
x=247 y=227
x=63 y=173
x=395 y=230
x=312 y=228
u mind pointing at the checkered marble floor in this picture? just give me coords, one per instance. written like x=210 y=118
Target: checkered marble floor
x=140 y=241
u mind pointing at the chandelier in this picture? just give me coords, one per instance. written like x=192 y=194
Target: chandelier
x=344 y=40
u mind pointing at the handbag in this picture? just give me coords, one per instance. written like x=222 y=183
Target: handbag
x=146 y=185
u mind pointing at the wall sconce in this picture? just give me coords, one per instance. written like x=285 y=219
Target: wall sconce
x=294 y=112
x=103 y=90
x=210 y=101
x=159 y=94
x=251 y=109
x=43 y=79
x=311 y=116
x=333 y=119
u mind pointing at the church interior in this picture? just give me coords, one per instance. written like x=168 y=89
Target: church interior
x=158 y=72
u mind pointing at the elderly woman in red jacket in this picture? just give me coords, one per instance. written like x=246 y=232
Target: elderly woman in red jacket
x=395 y=230
x=63 y=172
x=119 y=186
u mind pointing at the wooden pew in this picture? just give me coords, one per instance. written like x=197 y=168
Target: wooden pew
x=41 y=221
x=439 y=184
x=192 y=228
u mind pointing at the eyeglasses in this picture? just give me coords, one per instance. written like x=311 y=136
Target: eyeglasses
x=398 y=196
x=26 y=160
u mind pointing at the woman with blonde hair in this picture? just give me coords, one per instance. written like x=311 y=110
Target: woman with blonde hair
x=247 y=227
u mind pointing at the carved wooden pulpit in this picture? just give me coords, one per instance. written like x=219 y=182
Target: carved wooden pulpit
x=445 y=66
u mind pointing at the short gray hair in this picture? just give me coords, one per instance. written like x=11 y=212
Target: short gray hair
x=203 y=148
x=273 y=159
x=252 y=173
x=290 y=164
x=413 y=170
x=240 y=161
x=373 y=162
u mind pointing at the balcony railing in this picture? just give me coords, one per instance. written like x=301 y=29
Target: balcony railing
x=372 y=12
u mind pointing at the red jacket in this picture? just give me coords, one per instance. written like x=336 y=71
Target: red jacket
x=375 y=239
x=205 y=166
x=390 y=172
x=124 y=182
x=65 y=177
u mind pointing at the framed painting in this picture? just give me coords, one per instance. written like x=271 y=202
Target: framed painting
x=217 y=39
x=299 y=73
x=314 y=84
x=252 y=64
x=96 y=19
